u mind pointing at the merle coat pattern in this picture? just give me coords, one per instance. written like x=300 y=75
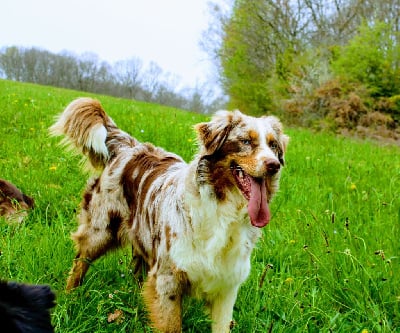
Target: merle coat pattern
x=193 y=225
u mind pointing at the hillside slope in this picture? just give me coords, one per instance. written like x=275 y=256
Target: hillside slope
x=329 y=260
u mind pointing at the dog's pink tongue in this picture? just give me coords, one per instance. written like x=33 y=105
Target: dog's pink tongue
x=258 y=208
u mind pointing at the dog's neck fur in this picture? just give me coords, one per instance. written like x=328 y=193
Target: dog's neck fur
x=220 y=234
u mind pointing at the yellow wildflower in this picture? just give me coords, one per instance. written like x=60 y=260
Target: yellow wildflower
x=289 y=280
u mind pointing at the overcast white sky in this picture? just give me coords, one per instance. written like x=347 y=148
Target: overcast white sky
x=164 y=31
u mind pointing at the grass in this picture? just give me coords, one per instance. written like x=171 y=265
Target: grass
x=328 y=262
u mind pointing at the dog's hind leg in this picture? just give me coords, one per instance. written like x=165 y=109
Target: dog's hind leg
x=92 y=241
x=163 y=297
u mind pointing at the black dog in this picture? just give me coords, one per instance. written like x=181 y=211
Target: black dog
x=25 y=308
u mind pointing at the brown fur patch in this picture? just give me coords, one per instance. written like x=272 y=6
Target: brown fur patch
x=270 y=137
x=165 y=309
x=14 y=203
x=168 y=236
x=115 y=223
x=254 y=137
x=221 y=178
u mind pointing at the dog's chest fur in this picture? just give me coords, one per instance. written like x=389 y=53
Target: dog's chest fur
x=216 y=255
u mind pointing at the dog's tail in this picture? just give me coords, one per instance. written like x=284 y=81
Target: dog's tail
x=91 y=132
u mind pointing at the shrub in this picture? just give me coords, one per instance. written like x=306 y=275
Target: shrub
x=371 y=58
x=376 y=120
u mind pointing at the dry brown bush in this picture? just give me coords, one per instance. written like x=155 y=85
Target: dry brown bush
x=376 y=120
x=347 y=111
x=345 y=108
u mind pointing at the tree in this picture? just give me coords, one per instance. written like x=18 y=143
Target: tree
x=258 y=44
x=128 y=74
x=63 y=71
x=152 y=77
x=88 y=73
x=11 y=63
x=265 y=44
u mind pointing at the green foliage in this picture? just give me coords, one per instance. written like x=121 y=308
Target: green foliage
x=251 y=60
x=372 y=58
x=394 y=107
x=277 y=57
x=328 y=262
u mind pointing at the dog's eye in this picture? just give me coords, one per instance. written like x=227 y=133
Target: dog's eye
x=273 y=145
x=246 y=142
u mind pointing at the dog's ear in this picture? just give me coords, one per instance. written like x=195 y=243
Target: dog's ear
x=285 y=141
x=278 y=128
x=282 y=138
x=212 y=135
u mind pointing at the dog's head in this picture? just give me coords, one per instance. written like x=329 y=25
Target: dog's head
x=244 y=153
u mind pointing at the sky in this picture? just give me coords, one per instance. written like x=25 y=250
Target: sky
x=167 y=32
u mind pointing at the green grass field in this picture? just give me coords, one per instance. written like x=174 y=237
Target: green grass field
x=328 y=262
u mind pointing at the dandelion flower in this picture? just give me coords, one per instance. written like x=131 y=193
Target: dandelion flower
x=289 y=280
x=53 y=168
x=353 y=187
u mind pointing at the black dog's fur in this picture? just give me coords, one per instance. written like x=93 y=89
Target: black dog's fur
x=25 y=308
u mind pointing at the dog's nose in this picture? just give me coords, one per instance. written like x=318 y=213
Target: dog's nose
x=272 y=166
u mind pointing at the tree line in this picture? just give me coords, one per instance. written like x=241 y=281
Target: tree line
x=126 y=78
x=319 y=63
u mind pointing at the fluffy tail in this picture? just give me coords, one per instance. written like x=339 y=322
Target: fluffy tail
x=90 y=131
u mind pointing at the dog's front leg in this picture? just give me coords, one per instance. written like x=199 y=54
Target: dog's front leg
x=163 y=297
x=222 y=310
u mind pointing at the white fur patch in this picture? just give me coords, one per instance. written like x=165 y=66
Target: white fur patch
x=97 y=140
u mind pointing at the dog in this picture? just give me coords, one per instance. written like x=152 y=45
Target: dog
x=13 y=203
x=193 y=225
x=25 y=308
